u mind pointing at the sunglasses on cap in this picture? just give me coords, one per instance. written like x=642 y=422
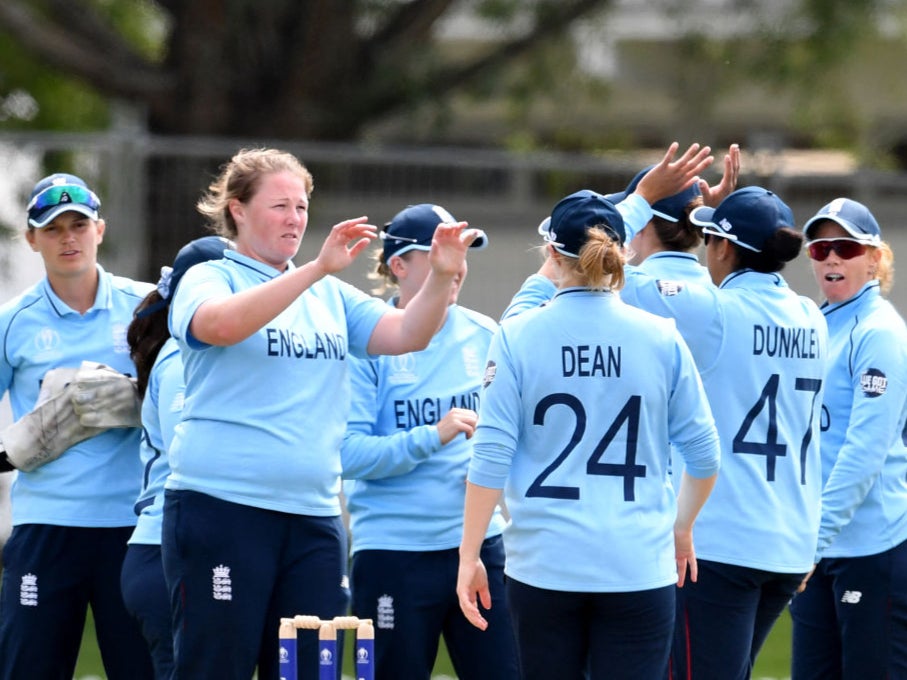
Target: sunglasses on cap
x=845 y=248
x=56 y=195
x=708 y=236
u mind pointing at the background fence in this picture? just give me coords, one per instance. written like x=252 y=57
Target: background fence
x=506 y=194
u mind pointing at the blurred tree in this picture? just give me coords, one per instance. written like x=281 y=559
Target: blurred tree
x=375 y=69
x=251 y=69
x=314 y=69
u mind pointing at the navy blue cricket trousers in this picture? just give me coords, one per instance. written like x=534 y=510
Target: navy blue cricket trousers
x=51 y=575
x=148 y=602
x=412 y=599
x=599 y=636
x=851 y=621
x=724 y=618
x=233 y=571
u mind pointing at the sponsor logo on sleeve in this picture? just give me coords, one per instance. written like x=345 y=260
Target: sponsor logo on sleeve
x=873 y=383
x=669 y=288
x=490 y=370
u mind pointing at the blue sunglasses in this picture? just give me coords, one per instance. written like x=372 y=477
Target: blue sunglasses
x=61 y=194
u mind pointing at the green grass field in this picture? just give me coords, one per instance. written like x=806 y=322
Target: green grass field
x=773 y=662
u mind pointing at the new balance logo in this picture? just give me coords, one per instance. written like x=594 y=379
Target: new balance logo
x=851 y=597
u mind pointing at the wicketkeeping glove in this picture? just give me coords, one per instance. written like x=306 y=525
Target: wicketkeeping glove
x=44 y=433
x=106 y=398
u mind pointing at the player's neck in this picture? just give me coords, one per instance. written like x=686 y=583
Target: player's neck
x=78 y=292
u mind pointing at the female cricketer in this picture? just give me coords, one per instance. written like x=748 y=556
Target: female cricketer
x=73 y=513
x=851 y=620
x=159 y=372
x=581 y=399
x=252 y=529
x=405 y=454
x=762 y=352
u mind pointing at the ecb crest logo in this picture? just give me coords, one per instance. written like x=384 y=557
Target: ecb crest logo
x=120 y=345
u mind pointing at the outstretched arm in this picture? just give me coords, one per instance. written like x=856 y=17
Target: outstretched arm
x=231 y=319
x=412 y=328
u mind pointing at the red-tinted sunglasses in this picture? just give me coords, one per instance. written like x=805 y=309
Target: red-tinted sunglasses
x=845 y=248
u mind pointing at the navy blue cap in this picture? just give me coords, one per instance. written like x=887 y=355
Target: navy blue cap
x=413 y=228
x=853 y=216
x=673 y=208
x=573 y=215
x=195 y=252
x=57 y=194
x=748 y=217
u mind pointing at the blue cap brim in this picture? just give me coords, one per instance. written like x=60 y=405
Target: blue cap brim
x=481 y=240
x=52 y=213
x=847 y=225
x=480 y=243
x=703 y=216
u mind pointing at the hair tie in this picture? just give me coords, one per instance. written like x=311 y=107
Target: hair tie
x=163 y=283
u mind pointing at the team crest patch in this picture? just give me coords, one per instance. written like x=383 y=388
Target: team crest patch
x=472 y=362
x=873 y=383
x=490 y=369
x=120 y=344
x=385 y=618
x=669 y=288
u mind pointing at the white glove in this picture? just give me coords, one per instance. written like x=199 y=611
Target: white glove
x=106 y=398
x=45 y=432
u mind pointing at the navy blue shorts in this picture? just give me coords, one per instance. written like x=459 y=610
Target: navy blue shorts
x=233 y=571
x=851 y=621
x=599 y=636
x=724 y=618
x=412 y=598
x=148 y=602
x=51 y=575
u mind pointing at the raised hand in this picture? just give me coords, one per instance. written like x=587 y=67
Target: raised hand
x=670 y=176
x=344 y=244
x=449 y=246
x=712 y=196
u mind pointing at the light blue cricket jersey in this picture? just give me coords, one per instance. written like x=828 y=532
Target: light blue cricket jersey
x=762 y=351
x=94 y=483
x=263 y=420
x=670 y=268
x=672 y=271
x=582 y=397
x=676 y=266
x=864 y=457
x=161 y=411
x=404 y=490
